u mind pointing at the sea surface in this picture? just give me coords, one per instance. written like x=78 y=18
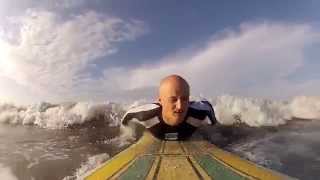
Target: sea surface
x=65 y=141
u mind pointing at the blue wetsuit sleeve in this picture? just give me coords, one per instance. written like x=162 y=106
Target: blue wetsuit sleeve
x=210 y=112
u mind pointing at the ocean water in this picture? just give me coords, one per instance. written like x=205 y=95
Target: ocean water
x=292 y=149
x=64 y=141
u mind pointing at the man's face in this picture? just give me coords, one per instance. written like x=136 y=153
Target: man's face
x=174 y=99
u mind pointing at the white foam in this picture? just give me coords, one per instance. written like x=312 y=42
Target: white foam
x=229 y=110
x=6 y=173
x=274 y=149
x=52 y=116
x=306 y=107
x=255 y=151
x=89 y=165
x=251 y=111
x=126 y=137
x=10 y=113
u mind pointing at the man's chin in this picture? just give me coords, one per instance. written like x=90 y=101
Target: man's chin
x=178 y=120
x=175 y=120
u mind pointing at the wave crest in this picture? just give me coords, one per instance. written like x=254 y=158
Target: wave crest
x=229 y=110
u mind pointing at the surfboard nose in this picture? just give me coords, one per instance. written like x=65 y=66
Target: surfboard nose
x=151 y=158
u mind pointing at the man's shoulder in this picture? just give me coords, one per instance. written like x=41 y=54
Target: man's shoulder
x=144 y=107
x=142 y=112
x=200 y=110
x=203 y=105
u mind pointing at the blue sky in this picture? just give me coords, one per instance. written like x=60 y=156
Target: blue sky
x=61 y=50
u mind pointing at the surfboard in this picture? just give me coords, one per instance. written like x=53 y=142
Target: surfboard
x=151 y=158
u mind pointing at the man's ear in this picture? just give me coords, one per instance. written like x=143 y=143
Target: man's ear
x=159 y=100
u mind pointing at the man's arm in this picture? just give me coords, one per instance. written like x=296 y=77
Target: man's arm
x=210 y=112
x=203 y=110
x=142 y=114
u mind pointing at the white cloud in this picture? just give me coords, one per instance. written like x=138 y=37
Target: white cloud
x=69 y=3
x=52 y=54
x=254 y=62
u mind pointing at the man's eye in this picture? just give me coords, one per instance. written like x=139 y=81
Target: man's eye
x=184 y=99
x=173 y=99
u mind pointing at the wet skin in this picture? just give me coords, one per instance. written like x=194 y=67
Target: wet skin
x=174 y=99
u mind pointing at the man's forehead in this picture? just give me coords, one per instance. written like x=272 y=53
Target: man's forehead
x=178 y=97
x=171 y=80
x=173 y=86
x=176 y=93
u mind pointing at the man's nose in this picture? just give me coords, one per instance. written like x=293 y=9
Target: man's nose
x=179 y=104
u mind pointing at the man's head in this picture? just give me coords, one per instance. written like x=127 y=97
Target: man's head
x=174 y=94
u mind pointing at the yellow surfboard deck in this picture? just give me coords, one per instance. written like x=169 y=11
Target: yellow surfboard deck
x=151 y=158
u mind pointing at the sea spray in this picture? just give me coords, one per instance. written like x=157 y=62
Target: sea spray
x=92 y=163
x=306 y=107
x=229 y=110
x=253 y=112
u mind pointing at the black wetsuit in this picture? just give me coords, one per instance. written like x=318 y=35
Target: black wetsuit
x=199 y=113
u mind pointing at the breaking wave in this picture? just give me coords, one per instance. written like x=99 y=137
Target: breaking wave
x=256 y=112
x=58 y=116
x=229 y=110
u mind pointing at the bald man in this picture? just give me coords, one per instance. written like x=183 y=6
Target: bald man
x=173 y=117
